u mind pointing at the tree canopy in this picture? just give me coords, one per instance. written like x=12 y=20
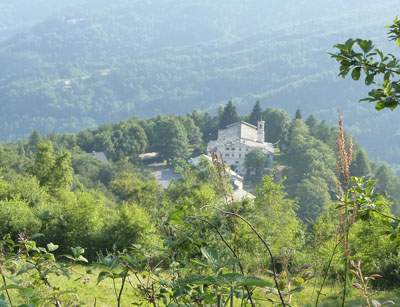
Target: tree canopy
x=228 y=116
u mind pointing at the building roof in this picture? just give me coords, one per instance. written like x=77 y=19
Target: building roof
x=239 y=195
x=241 y=133
x=149 y=155
x=164 y=176
x=99 y=156
x=238 y=131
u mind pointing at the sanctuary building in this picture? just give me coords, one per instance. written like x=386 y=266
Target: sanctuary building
x=237 y=140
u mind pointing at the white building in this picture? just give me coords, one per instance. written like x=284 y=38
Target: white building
x=237 y=140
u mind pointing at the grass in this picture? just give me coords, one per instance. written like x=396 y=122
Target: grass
x=90 y=293
x=104 y=293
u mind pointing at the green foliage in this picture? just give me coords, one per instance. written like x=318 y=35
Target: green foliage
x=256 y=114
x=313 y=197
x=17 y=217
x=213 y=249
x=277 y=124
x=228 y=116
x=256 y=160
x=129 y=187
x=193 y=132
x=27 y=269
x=133 y=226
x=361 y=166
x=311 y=122
x=279 y=213
x=298 y=115
x=170 y=138
x=53 y=172
x=379 y=69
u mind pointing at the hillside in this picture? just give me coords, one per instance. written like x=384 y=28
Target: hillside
x=113 y=216
x=97 y=62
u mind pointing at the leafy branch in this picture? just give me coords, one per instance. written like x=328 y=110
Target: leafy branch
x=358 y=55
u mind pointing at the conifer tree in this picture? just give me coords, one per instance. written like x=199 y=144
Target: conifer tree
x=298 y=115
x=312 y=122
x=228 y=116
x=361 y=165
x=256 y=114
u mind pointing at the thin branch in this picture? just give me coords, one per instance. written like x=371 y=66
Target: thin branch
x=122 y=288
x=230 y=248
x=5 y=284
x=386 y=215
x=263 y=241
x=327 y=271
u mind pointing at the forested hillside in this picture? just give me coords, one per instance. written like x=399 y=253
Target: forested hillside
x=75 y=66
x=116 y=217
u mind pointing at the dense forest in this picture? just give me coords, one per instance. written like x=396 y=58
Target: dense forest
x=50 y=186
x=68 y=67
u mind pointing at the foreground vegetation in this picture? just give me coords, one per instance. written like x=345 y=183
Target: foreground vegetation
x=190 y=244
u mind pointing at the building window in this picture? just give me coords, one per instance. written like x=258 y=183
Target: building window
x=227 y=148
x=240 y=148
x=236 y=162
x=233 y=155
x=247 y=149
x=240 y=155
x=232 y=148
x=226 y=155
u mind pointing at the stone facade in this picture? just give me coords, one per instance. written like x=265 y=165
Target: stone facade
x=237 y=140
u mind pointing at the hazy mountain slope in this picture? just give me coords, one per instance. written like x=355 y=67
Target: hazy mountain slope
x=20 y=15
x=97 y=62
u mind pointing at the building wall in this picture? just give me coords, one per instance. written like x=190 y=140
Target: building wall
x=234 y=156
x=233 y=152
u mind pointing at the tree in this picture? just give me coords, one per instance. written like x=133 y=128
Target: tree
x=228 y=116
x=128 y=187
x=298 y=115
x=208 y=125
x=361 y=166
x=256 y=161
x=358 y=55
x=33 y=140
x=102 y=142
x=256 y=114
x=279 y=213
x=133 y=226
x=170 y=138
x=383 y=178
x=312 y=123
x=193 y=132
x=52 y=171
x=313 y=198
x=276 y=126
x=129 y=138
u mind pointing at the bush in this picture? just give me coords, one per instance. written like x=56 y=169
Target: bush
x=16 y=216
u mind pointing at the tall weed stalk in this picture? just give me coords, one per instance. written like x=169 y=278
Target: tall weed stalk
x=346 y=215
